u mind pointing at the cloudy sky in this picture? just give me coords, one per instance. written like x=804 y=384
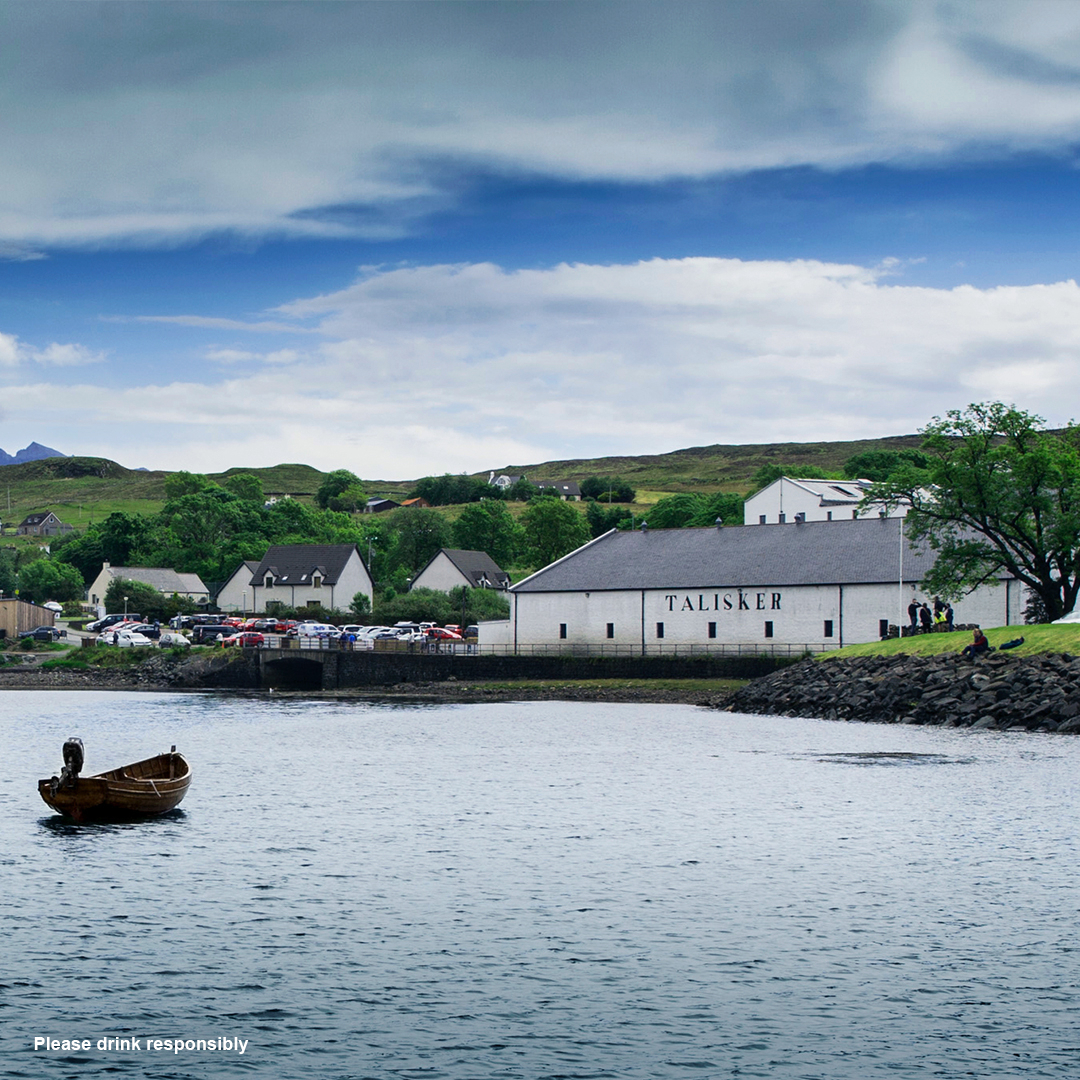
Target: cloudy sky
x=405 y=238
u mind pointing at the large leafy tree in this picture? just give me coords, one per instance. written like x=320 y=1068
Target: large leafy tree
x=417 y=536
x=553 y=529
x=44 y=580
x=340 y=490
x=1000 y=493
x=488 y=526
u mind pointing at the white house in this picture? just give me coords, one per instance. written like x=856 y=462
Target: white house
x=162 y=578
x=817 y=500
x=450 y=568
x=815 y=584
x=298 y=575
x=236 y=593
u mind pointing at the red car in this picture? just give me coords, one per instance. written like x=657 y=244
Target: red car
x=441 y=633
x=248 y=639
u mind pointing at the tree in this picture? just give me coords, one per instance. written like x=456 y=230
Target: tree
x=1000 y=494
x=878 y=465
x=607 y=489
x=44 y=580
x=488 y=526
x=419 y=534
x=360 y=605
x=449 y=489
x=7 y=573
x=143 y=598
x=340 y=490
x=676 y=511
x=184 y=483
x=553 y=529
x=245 y=486
x=601 y=519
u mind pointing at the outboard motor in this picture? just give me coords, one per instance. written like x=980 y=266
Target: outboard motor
x=73 y=763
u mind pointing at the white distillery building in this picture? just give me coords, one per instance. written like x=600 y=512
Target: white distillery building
x=818 y=584
x=816 y=500
x=162 y=578
x=301 y=575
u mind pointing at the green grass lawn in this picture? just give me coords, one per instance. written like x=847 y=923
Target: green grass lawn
x=1037 y=639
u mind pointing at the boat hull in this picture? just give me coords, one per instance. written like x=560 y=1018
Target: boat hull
x=144 y=789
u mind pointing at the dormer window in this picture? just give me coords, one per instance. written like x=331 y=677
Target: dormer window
x=269 y=583
x=316 y=581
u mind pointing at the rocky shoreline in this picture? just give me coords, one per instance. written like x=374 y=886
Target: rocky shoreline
x=999 y=692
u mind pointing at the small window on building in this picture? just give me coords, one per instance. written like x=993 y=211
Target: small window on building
x=562 y=629
x=316 y=582
x=768 y=629
x=761 y=519
x=883 y=628
x=269 y=583
x=610 y=629
x=783 y=518
x=659 y=629
x=854 y=514
x=712 y=629
x=828 y=628
x=828 y=516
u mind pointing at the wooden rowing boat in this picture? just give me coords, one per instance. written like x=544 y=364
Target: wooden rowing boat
x=143 y=789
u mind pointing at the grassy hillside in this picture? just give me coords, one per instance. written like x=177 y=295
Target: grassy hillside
x=712 y=468
x=83 y=489
x=1037 y=639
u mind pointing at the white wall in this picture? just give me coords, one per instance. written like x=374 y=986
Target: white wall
x=441 y=574
x=797 y=614
x=785 y=496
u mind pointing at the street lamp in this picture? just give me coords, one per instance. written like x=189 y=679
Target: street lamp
x=125 y=607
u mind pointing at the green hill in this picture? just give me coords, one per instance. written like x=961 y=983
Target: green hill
x=85 y=489
x=713 y=468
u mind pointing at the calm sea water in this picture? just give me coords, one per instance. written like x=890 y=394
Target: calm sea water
x=541 y=890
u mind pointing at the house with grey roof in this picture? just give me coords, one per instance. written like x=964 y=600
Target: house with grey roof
x=450 y=568
x=567 y=490
x=302 y=575
x=164 y=579
x=45 y=524
x=817 y=584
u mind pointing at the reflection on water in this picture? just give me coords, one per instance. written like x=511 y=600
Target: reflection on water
x=540 y=890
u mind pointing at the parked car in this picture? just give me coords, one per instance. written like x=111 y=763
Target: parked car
x=442 y=633
x=150 y=630
x=208 y=633
x=42 y=633
x=169 y=638
x=109 y=621
x=52 y=605
x=128 y=639
x=246 y=639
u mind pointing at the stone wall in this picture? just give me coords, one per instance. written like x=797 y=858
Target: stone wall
x=1037 y=693
x=341 y=670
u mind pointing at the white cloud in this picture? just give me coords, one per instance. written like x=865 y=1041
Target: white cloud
x=336 y=120
x=70 y=355
x=470 y=367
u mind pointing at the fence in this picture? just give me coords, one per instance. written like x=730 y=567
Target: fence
x=463 y=648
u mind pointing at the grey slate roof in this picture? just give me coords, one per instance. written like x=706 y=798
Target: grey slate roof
x=476 y=566
x=566 y=488
x=865 y=551
x=161 y=578
x=292 y=564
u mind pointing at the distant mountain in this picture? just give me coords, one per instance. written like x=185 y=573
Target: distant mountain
x=34 y=452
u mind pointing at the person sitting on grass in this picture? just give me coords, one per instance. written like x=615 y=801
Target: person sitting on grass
x=978 y=646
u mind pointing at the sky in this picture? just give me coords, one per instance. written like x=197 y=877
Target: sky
x=414 y=238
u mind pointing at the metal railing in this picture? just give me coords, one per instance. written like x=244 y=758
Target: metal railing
x=465 y=648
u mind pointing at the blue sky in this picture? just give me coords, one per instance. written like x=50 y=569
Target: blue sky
x=412 y=238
